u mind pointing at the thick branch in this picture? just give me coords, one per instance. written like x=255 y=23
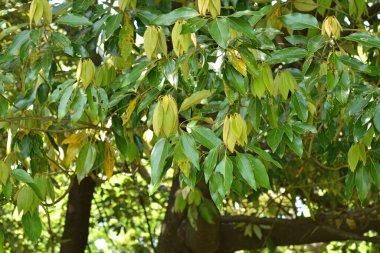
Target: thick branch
x=294 y=232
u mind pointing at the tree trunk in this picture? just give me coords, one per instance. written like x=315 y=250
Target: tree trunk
x=77 y=221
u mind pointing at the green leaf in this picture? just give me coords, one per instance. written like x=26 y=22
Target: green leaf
x=353 y=156
x=264 y=155
x=298 y=21
x=21 y=38
x=235 y=79
x=362 y=182
x=217 y=189
x=4 y=172
x=205 y=137
x=192 y=25
x=225 y=167
x=249 y=60
x=296 y=144
x=274 y=138
x=190 y=149
x=315 y=43
x=2 y=241
x=78 y=105
x=81 y=5
x=22 y=175
x=85 y=161
x=300 y=105
x=158 y=157
x=240 y=25
x=32 y=226
x=245 y=168
x=219 y=31
x=3 y=106
x=171 y=17
x=112 y=23
x=210 y=163
x=254 y=112
x=260 y=172
x=350 y=183
x=208 y=211
x=287 y=55
x=376 y=118
x=375 y=173
x=194 y=99
x=357 y=65
x=148 y=99
x=365 y=39
x=73 y=20
x=64 y=102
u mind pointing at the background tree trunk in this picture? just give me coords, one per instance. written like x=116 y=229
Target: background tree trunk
x=77 y=221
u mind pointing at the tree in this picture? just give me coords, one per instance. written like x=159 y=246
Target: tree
x=253 y=124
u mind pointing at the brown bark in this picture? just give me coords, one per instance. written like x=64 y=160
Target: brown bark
x=169 y=240
x=74 y=238
x=294 y=232
x=179 y=237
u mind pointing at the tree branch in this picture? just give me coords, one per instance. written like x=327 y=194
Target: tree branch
x=296 y=231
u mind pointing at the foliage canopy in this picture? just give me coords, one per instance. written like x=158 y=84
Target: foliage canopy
x=256 y=106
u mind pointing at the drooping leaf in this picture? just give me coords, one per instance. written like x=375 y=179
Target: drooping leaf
x=245 y=168
x=206 y=137
x=32 y=225
x=218 y=30
x=194 y=99
x=158 y=157
x=73 y=20
x=261 y=175
x=274 y=138
x=298 y=21
x=171 y=17
x=85 y=161
x=210 y=163
x=190 y=149
x=362 y=182
x=225 y=167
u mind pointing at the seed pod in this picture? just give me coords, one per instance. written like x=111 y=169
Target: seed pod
x=158 y=118
x=234 y=132
x=47 y=13
x=215 y=7
x=165 y=117
x=162 y=41
x=203 y=6
x=36 y=11
x=151 y=41
x=39 y=8
x=331 y=27
x=242 y=126
x=86 y=72
x=181 y=42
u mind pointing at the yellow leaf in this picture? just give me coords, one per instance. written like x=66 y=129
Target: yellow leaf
x=305 y=5
x=214 y=8
x=130 y=109
x=109 y=160
x=87 y=73
x=36 y=11
x=203 y=6
x=158 y=118
x=236 y=62
x=150 y=41
x=47 y=11
x=162 y=42
x=194 y=99
x=123 y=4
x=75 y=139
